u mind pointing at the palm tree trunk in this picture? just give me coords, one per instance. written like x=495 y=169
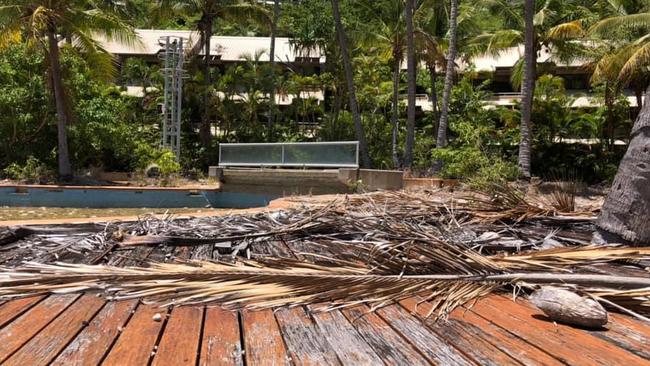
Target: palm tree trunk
x=410 y=70
x=433 y=76
x=65 y=170
x=638 y=93
x=274 y=27
x=627 y=206
x=354 y=108
x=609 y=116
x=441 y=140
x=204 y=133
x=527 y=89
x=395 y=114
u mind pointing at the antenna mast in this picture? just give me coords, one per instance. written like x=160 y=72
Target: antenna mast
x=173 y=58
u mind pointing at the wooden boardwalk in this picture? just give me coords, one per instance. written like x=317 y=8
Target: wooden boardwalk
x=83 y=329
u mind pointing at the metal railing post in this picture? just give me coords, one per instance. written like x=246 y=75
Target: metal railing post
x=283 y=159
x=357 y=154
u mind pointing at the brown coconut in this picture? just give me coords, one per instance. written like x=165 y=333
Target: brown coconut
x=568 y=307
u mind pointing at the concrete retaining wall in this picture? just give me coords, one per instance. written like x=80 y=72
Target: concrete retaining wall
x=280 y=182
x=285 y=182
x=372 y=179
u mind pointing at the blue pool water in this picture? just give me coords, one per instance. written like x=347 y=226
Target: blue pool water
x=127 y=198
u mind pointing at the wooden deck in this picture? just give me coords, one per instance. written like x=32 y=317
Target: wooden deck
x=84 y=329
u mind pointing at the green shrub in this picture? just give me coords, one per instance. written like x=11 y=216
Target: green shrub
x=166 y=162
x=33 y=171
x=478 y=151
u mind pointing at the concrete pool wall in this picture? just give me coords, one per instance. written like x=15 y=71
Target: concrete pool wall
x=126 y=197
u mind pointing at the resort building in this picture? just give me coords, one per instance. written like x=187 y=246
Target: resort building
x=225 y=52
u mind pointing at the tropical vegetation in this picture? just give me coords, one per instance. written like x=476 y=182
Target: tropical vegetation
x=63 y=107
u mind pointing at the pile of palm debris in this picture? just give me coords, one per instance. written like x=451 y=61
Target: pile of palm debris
x=375 y=248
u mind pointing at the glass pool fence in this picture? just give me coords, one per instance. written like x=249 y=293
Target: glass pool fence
x=339 y=154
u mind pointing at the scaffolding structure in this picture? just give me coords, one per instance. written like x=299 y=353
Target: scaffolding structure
x=173 y=59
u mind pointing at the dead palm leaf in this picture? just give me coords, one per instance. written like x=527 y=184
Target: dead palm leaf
x=451 y=276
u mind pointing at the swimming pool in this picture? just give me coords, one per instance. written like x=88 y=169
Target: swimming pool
x=126 y=197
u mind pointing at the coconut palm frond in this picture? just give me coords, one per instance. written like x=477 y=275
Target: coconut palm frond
x=501 y=201
x=639 y=60
x=493 y=44
x=385 y=278
x=564 y=31
x=614 y=24
x=565 y=259
x=447 y=276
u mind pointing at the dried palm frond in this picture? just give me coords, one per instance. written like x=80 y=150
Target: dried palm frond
x=563 y=197
x=386 y=277
x=501 y=202
x=568 y=258
x=451 y=276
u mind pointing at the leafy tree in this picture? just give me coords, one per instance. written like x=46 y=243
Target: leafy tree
x=108 y=127
x=41 y=22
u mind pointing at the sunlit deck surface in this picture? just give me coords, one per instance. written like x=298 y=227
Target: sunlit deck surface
x=84 y=329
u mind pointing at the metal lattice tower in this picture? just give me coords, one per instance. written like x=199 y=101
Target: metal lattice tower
x=173 y=58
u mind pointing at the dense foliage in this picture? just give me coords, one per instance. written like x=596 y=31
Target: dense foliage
x=115 y=132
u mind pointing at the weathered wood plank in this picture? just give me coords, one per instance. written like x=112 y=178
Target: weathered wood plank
x=392 y=348
x=517 y=348
x=221 y=343
x=280 y=249
x=90 y=346
x=570 y=345
x=180 y=341
x=305 y=344
x=468 y=340
x=46 y=345
x=131 y=257
x=621 y=331
x=203 y=252
x=262 y=339
x=136 y=343
x=11 y=310
x=423 y=338
x=348 y=344
x=21 y=330
x=183 y=252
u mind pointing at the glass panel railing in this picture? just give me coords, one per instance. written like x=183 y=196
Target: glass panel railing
x=340 y=154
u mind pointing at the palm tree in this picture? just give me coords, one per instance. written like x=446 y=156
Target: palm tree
x=429 y=36
x=386 y=32
x=441 y=140
x=209 y=11
x=274 y=27
x=624 y=34
x=347 y=66
x=527 y=88
x=42 y=22
x=626 y=209
x=621 y=58
x=554 y=25
x=410 y=93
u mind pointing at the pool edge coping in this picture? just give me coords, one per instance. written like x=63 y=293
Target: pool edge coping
x=274 y=205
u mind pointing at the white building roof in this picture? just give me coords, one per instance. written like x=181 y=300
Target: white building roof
x=579 y=101
x=509 y=57
x=225 y=47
